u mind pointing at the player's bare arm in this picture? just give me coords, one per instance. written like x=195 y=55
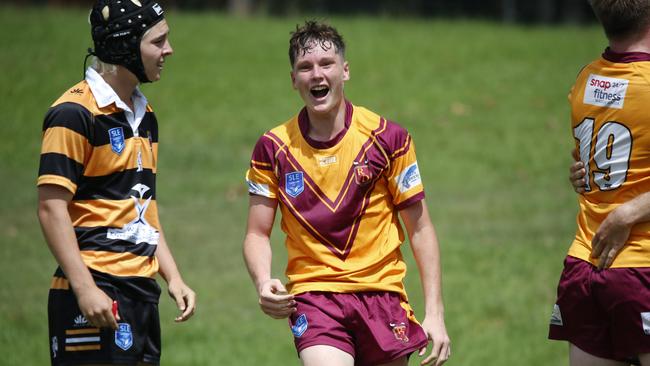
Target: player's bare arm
x=614 y=231
x=273 y=297
x=57 y=228
x=181 y=293
x=426 y=251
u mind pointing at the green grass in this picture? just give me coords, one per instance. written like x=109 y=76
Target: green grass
x=487 y=107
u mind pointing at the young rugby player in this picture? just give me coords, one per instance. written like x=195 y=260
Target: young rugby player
x=97 y=198
x=342 y=177
x=603 y=304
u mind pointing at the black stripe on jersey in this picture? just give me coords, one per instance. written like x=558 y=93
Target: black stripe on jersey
x=141 y=288
x=103 y=123
x=69 y=115
x=60 y=164
x=94 y=238
x=116 y=186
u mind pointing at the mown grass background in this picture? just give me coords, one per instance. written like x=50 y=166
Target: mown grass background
x=486 y=104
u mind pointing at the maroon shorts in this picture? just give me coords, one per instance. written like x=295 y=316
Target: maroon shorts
x=371 y=326
x=605 y=313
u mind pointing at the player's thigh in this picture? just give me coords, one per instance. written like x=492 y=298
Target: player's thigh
x=402 y=361
x=578 y=357
x=321 y=355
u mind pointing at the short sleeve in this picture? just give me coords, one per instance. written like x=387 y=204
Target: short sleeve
x=65 y=145
x=261 y=177
x=404 y=180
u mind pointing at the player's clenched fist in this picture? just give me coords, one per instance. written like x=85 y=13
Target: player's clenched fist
x=274 y=299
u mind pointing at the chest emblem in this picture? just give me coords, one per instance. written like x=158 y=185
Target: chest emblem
x=294 y=183
x=362 y=174
x=116 y=137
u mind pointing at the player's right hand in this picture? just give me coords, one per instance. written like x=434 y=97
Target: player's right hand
x=97 y=307
x=274 y=299
x=577 y=173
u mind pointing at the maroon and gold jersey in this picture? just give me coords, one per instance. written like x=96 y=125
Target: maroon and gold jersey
x=611 y=127
x=340 y=200
x=94 y=153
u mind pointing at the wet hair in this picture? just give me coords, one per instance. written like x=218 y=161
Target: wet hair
x=312 y=34
x=622 y=19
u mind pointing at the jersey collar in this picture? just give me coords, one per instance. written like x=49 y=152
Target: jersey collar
x=625 y=57
x=105 y=96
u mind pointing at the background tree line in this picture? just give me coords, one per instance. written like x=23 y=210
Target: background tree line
x=511 y=11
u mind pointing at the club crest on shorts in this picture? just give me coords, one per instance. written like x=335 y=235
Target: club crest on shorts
x=399 y=331
x=123 y=336
x=116 y=137
x=294 y=183
x=362 y=174
x=300 y=326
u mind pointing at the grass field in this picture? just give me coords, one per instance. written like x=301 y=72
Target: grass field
x=487 y=107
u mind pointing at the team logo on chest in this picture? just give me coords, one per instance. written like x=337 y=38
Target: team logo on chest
x=362 y=174
x=116 y=137
x=294 y=183
x=123 y=336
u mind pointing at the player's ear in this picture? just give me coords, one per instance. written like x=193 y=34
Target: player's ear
x=346 y=71
x=293 y=79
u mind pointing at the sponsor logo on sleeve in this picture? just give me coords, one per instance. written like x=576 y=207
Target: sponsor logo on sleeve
x=408 y=178
x=124 y=336
x=294 y=184
x=604 y=91
x=300 y=326
x=258 y=188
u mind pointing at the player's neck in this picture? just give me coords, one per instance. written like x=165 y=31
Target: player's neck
x=633 y=44
x=326 y=126
x=123 y=83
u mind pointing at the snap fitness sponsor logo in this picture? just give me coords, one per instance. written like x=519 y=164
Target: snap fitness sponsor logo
x=604 y=91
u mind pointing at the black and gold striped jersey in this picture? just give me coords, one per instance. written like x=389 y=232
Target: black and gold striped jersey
x=110 y=169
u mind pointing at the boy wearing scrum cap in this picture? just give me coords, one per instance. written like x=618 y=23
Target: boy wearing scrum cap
x=97 y=198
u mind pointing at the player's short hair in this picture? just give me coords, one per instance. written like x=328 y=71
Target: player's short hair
x=102 y=67
x=622 y=18
x=312 y=34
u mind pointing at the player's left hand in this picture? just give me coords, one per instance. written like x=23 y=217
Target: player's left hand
x=185 y=299
x=610 y=237
x=434 y=327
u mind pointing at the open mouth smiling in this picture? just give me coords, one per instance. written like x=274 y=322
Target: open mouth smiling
x=319 y=91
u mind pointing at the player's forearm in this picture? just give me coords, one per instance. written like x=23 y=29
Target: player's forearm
x=634 y=211
x=60 y=237
x=258 y=257
x=167 y=265
x=427 y=257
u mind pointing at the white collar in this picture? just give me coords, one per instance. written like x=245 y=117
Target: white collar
x=105 y=95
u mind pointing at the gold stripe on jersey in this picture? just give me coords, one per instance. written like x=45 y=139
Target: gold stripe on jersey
x=57 y=180
x=60 y=283
x=110 y=213
x=89 y=347
x=81 y=331
x=61 y=140
x=120 y=264
x=127 y=159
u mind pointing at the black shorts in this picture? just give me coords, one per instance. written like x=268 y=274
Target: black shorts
x=74 y=341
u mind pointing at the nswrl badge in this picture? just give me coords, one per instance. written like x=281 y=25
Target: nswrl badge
x=116 y=137
x=124 y=336
x=294 y=184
